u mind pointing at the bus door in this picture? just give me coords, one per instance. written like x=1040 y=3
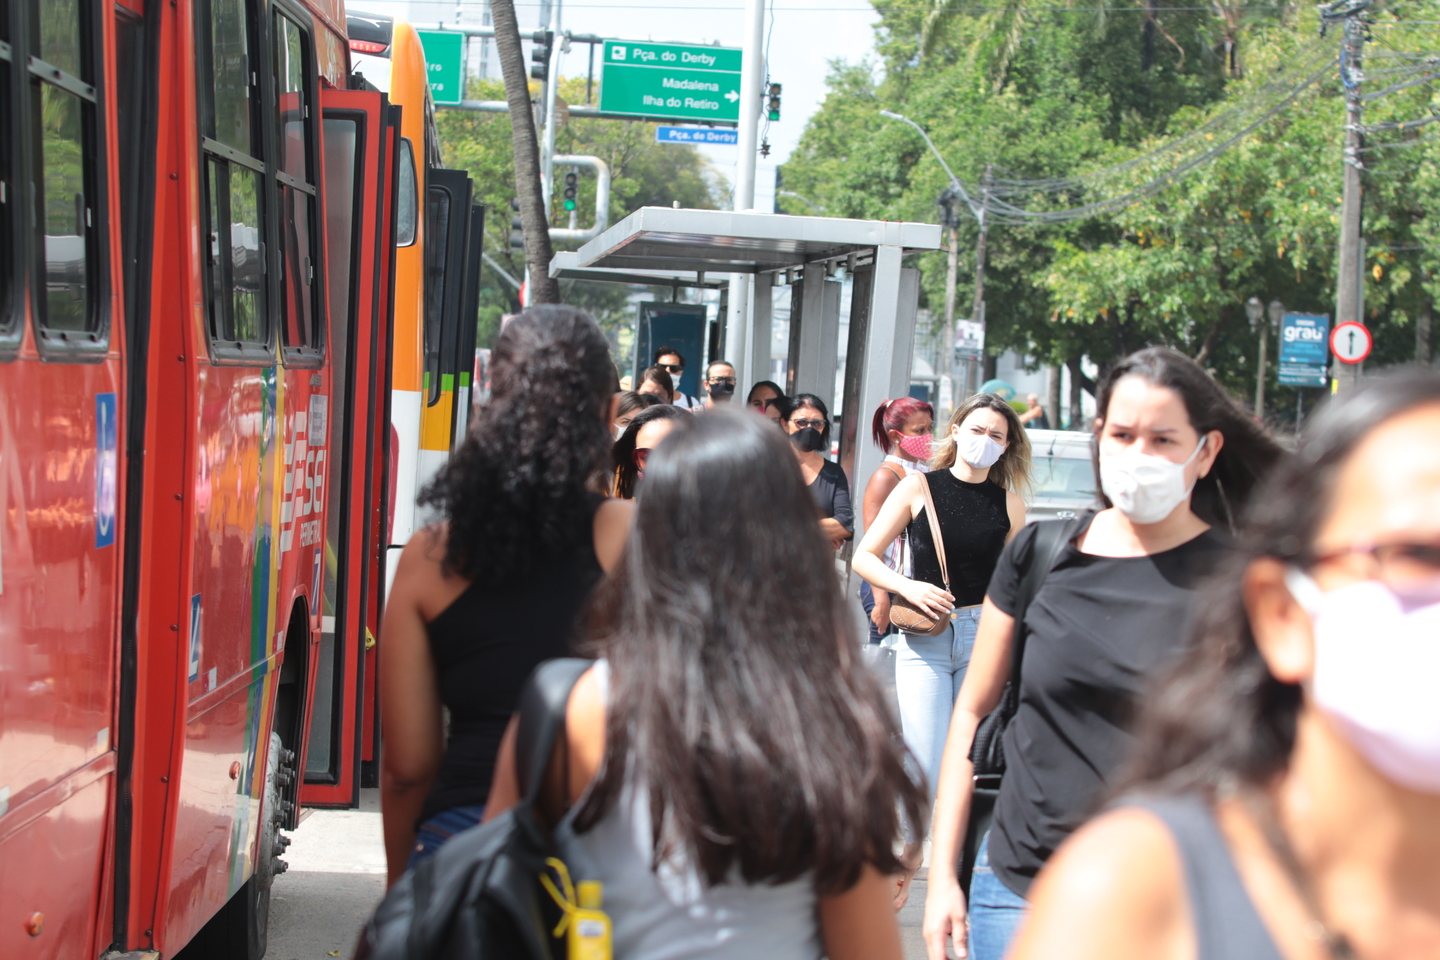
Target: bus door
x=468 y=325
x=447 y=228
x=358 y=199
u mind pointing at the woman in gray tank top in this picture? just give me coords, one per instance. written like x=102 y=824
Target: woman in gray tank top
x=731 y=778
x=1284 y=802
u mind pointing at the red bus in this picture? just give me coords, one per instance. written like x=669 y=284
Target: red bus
x=200 y=209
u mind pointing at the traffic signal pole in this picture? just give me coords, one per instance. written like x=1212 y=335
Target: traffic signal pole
x=752 y=82
x=552 y=80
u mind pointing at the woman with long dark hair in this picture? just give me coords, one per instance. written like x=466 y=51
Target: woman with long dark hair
x=807 y=421
x=1176 y=458
x=765 y=399
x=493 y=589
x=631 y=404
x=1284 y=792
x=903 y=429
x=732 y=779
x=642 y=435
x=978 y=472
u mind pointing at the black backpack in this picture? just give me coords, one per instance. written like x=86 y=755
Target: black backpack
x=480 y=897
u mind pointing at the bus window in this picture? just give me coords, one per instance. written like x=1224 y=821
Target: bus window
x=233 y=177
x=437 y=235
x=63 y=105
x=407 y=204
x=295 y=173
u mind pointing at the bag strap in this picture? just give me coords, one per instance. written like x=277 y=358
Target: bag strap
x=935 y=529
x=542 y=717
x=1050 y=539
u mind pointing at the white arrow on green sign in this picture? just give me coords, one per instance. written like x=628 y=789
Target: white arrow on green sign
x=671 y=81
x=444 y=64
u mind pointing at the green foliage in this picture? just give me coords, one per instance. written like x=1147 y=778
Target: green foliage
x=1063 y=91
x=643 y=172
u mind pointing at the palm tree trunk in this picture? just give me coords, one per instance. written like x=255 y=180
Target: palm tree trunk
x=528 y=189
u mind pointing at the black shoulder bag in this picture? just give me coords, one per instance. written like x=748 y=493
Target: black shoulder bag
x=987 y=752
x=480 y=897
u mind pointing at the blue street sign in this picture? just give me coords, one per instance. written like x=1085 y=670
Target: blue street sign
x=695 y=135
x=1304 y=349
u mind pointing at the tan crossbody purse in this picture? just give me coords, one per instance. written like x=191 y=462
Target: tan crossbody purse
x=904 y=614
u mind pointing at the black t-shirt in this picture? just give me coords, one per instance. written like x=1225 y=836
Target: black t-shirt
x=831 y=492
x=1099 y=629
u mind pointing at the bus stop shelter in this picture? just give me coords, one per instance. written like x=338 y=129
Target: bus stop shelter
x=702 y=248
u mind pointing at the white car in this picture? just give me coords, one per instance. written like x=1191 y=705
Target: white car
x=1064 y=475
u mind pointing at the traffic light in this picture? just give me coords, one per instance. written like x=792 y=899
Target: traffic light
x=544 y=43
x=774 y=105
x=572 y=187
x=517 y=226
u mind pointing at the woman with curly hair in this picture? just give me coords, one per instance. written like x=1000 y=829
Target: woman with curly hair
x=483 y=596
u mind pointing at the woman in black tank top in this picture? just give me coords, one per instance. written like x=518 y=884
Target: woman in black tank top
x=977 y=474
x=482 y=598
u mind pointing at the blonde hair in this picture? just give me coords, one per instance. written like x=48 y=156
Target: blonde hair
x=1013 y=470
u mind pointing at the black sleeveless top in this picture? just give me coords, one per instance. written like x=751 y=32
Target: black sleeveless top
x=974 y=523
x=485 y=645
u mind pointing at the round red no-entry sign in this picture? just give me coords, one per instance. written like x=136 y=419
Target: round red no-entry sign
x=1351 y=342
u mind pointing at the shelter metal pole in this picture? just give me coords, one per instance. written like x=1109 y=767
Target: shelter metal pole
x=761 y=333
x=878 y=373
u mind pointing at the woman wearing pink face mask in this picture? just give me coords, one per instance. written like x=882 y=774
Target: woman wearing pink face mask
x=903 y=429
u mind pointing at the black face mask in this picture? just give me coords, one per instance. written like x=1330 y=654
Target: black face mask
x=809 y=440
x=721 y=391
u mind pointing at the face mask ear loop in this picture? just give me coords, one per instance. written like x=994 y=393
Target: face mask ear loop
x=1303 y=588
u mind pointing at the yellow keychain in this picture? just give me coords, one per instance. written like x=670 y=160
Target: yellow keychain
x=585 y=926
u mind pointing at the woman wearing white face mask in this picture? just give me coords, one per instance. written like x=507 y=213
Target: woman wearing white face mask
x=1175 y=456
x=1285 y=797
x=977 y=474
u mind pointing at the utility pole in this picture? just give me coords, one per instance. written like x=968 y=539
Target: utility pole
x=552 y=80
x=1350 y=287
x=977 y=307
x=950 y=217
x=752 y=80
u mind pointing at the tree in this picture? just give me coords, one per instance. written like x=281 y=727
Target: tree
x=529 y=191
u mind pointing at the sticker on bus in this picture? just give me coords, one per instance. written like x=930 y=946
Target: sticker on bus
x=106 y=434
x=194 y=638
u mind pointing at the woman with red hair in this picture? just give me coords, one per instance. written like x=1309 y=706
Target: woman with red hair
x=902 y=428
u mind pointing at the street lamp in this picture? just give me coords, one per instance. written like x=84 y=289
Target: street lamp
x=1255 y=311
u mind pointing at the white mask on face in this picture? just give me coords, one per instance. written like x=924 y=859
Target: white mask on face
x=1145 y=488
x=1377 y=662
x=978 y=450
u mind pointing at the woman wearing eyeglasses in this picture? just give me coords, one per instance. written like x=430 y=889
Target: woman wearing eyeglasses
x=632 y=450
x=808 y=423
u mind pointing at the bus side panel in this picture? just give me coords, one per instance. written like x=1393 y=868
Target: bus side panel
x=48 y=907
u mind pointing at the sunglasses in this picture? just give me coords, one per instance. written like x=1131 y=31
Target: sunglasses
x=674 y=367
x=640 y=456
x=802 y=424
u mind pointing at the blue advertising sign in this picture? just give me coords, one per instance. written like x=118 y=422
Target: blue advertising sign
x=106 y=467
x=695 y=135
x=1304 y=349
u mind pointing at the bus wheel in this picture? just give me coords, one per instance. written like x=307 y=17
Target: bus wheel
x=241 y=928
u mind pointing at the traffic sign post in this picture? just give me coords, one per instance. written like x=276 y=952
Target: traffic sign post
x=1351 y=342
x=444 y=64
x=670 y=81
x=1303 y=349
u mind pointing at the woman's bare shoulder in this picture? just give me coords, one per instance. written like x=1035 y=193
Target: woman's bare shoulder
x=1115 y=889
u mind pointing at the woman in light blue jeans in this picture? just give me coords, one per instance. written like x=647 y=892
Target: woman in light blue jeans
x=928 y=674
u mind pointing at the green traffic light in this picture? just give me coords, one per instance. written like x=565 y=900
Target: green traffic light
x=774 y=114
x=569 y=204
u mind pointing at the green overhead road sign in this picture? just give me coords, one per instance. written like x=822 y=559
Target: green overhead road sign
x=671 y=81
x=444 y=64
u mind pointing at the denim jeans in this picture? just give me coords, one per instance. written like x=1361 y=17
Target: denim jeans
x=996 y=911
x=867 y=600
x=441 y=827
x=928 y=674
